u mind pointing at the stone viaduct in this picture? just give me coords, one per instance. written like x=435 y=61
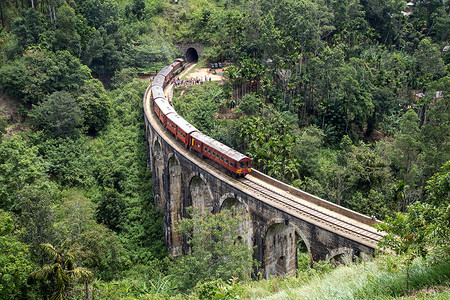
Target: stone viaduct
x=181 y=180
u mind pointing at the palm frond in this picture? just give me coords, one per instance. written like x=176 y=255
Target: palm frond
x=80 y=274
x=44 y=273
x=49 y=250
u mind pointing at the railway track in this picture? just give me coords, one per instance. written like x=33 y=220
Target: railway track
x=319 y=215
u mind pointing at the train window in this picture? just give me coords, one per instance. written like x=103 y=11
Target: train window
x=217 y=155
x=205 y=149
x=214 y=153
x=231 y=163
x=235 y=165
x=226 y=161
x=209 y=151
x=221 y=158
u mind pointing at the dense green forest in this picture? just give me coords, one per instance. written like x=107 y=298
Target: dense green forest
x=345 y=99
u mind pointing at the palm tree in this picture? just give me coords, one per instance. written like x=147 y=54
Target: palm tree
x=62 y=273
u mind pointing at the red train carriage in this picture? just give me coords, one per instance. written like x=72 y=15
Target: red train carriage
x=177 y=66
x=231 y=159
x=167 y=73
x=157 y=92
x=158 y=81
x=180 y=127
x=162 y=109
x=237 y=163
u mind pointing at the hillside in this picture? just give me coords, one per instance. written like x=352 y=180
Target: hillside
x=347 y=100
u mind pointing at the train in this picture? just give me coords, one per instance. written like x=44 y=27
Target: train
x=234 y=162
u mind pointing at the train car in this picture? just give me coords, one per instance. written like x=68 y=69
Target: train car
x=163 y=109
x=234 y=161
x=167 y=73
x=181 y=128
x=158 y=81
x=157 y=92
x=177 y=66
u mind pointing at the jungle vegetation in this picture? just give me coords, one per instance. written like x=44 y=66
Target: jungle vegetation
x=346 y=99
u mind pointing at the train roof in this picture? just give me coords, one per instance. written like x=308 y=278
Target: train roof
x=157 y=92
x=224 y=149
x=165 y=71
x=158 y=80
x=182 y=123
x=164 y=106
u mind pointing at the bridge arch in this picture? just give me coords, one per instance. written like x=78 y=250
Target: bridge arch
x=341 y=255
x=229 y=200
x=279 y=250
x=200 y=194
x=281 y=241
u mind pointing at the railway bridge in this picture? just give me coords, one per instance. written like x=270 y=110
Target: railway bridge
x=278 y=216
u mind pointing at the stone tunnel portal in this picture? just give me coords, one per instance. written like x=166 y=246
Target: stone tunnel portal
x=191 y=55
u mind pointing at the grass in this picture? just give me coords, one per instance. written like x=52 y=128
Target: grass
x=384 y=278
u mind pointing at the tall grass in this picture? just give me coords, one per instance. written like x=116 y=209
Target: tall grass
x=384 y=278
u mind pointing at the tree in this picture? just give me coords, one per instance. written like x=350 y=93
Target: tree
x=111 y=209
x=93 y=245
x=3 y=125
x=59 y=116
x=15 y=261
x=216 y=249
x=95 y=105
x=20 y=166
x=425 y=227
x=406 y=155
x=28 y=28
x=39 y=73
x=62 y=273
x=37 y=215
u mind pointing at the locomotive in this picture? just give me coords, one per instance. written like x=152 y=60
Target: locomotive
x=234 y=162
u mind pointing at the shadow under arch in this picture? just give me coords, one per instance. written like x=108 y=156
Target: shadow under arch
x=230 y=200
x=282 y=242
x=200 y=194
x=342 y=255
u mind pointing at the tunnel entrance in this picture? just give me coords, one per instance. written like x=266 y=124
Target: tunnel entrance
x=191 y=55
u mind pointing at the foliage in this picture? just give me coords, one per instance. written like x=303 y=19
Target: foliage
x=95 y=105
x=59 y=115
x=3 y=125
x=20 y=166
x=15 y=262
x=424 y=228
x=216 y=249
x=69 y=160
x=218 y=289
x=39 y=73
x=382 y=277
x=199 y=106
x=251 y=104
x=62 y=272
